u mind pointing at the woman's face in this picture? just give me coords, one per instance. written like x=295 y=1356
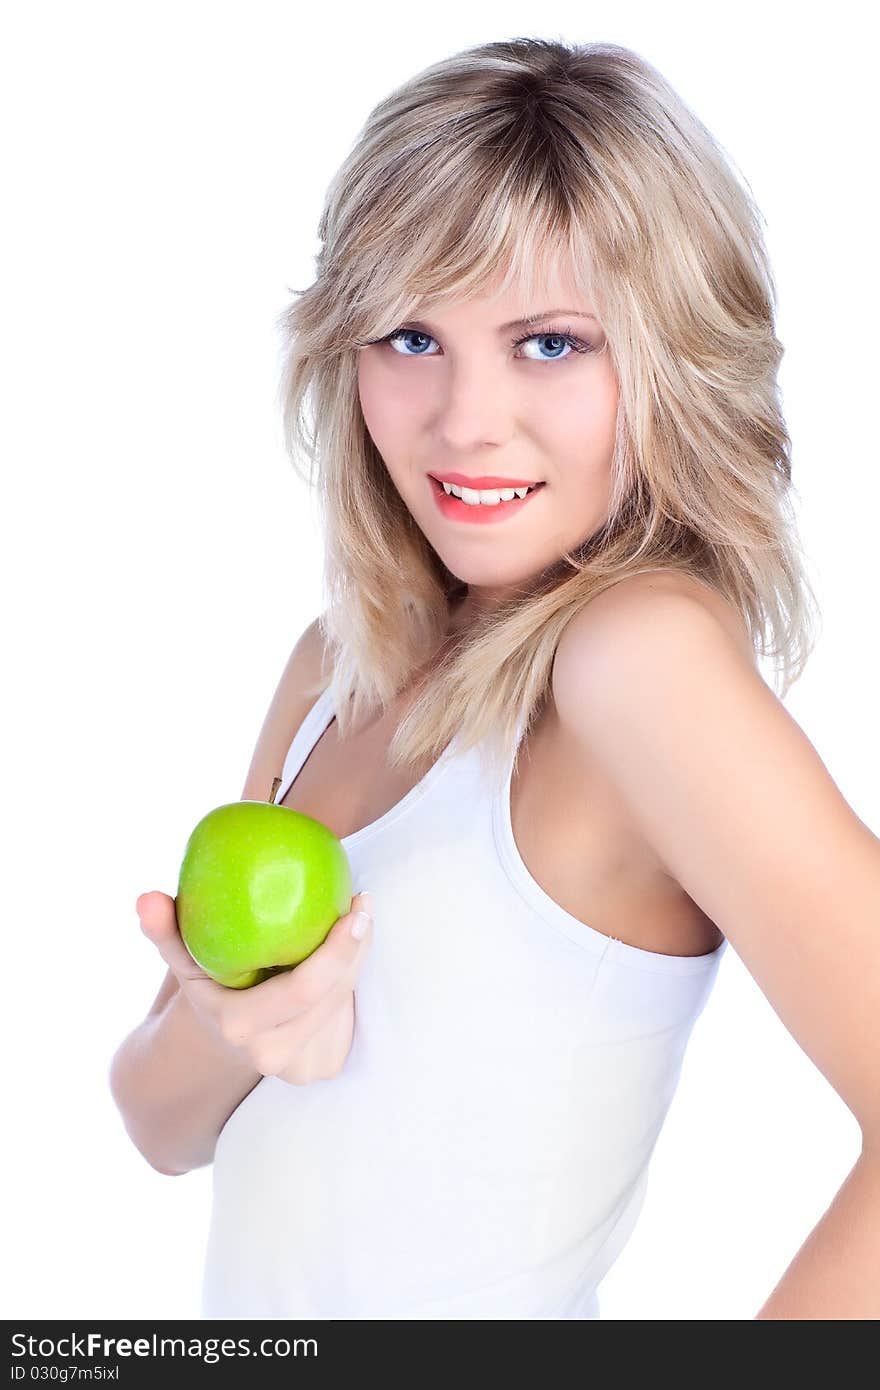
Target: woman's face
x=451 y=396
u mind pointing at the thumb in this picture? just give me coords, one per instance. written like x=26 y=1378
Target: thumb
x=155 y=911
x=158 y=917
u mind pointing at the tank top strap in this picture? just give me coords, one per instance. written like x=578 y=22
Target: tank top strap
x=305 y=738
x=318 y=719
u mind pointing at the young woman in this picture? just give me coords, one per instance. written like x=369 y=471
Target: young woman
x=540 y=359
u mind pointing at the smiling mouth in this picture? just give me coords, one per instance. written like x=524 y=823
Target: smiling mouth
x=500 y=494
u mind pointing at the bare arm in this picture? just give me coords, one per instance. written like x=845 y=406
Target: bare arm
x=743 y=813
x=176 y=1086
x=175 y=1079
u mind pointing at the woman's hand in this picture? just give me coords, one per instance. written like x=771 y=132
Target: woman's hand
x=297 y=1025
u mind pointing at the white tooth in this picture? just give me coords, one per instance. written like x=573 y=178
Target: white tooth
x=488 y=497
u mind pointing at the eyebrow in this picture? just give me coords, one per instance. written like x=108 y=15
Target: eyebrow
x=421 y=325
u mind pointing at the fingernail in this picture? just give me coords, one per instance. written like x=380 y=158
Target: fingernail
x=366 y=903
x=359 y=925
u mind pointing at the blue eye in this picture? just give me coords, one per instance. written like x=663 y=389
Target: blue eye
x=400 y=333
x=565 y=338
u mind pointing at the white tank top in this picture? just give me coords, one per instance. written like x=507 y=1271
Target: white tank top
x=484 y=1151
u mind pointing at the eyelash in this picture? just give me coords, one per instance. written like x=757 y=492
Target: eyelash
x=577 y=344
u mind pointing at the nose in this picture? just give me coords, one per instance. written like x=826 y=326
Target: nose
x=475 y=409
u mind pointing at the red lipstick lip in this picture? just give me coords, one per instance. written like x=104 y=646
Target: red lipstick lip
x=461 y=480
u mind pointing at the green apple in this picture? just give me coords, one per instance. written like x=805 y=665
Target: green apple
x=260 y=887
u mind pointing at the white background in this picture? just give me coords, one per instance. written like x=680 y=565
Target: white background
x=164 y=166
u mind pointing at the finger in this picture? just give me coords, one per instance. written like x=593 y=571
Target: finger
x=158 y=918
x=283 y=997
x=308 y=1047
x=297 y=1029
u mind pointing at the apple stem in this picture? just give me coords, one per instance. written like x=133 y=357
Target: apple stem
x=275 y=785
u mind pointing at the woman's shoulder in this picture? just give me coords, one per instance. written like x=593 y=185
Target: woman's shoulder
x=642 y=593
x=637 y=603
x=306 y=672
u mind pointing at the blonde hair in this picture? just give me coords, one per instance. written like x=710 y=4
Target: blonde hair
x=495 y=162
